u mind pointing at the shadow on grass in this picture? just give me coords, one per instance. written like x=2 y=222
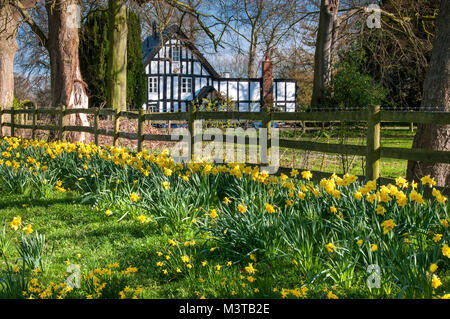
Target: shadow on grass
x=17 y=201
x=105 y=232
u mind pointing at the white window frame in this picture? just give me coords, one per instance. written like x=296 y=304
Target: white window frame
x=186 y=85
x=152 y=107
x=153 y=84
x=176 y=57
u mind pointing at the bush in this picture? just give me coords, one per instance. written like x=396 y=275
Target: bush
x=352 y=86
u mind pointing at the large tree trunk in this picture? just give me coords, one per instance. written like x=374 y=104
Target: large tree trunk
x=67 y=86
x=436 y=94
x=325 y=42
x=117 y=79
x=251 y=70
x=9 y=22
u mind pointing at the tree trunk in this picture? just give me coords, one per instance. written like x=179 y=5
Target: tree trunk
x=436 y=94
x=117 y=79
x=9 y=22
x=251 y=70
x=8 y=49
x=326 y=37
x=67 y=86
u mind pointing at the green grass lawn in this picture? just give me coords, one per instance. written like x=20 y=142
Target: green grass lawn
x=138 y=225
x=74 y=230
x=78 y=234
x=81 y=235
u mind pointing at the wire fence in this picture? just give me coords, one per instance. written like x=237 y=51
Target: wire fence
x=364 y=109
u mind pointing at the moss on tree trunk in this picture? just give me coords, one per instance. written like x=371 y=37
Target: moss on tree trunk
x=117 y=70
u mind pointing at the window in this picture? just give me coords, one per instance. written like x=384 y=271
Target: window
x=153 y=85
x=186 y=85
x=153 y=107
x=175 y=54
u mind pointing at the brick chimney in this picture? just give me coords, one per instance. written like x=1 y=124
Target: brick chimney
x=267 y=81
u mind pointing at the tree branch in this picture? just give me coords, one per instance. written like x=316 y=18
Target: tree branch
x=29 y=20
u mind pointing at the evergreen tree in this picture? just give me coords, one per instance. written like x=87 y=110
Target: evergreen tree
x=94 y=59
x=93 y=56
x=136 y=79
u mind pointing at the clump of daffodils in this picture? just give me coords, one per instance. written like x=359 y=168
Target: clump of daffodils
x=387 y=225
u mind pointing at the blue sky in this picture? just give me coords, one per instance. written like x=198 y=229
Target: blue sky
x=226 y=52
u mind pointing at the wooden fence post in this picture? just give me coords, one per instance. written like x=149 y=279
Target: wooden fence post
x=61 y=121
x=116 y=126
x=96 y=125
x=33 y=129
x=267 y=124
x=373 y=143
x=13 y=115
x=191 y=119
x=140 y=129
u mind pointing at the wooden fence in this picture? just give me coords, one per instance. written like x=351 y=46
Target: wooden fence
x=373 y=116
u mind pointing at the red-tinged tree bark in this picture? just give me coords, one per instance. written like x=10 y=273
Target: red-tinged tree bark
x=436 y=94
x=8 y=47
x=9 y=24
x=67 y=85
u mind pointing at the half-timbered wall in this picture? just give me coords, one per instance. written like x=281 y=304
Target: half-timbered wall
x=170 y=74
x=284 y=95
x=246 y=93
x=173 y=83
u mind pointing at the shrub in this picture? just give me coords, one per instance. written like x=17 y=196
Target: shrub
x=352 y=86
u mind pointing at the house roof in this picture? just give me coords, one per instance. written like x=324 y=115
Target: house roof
x=152 y=45
x=204 y=92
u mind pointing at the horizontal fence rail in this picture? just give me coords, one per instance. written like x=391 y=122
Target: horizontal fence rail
x=416 y=117
x=373 y=116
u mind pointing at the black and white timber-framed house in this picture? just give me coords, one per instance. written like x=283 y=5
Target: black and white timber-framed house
x=177 y=73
